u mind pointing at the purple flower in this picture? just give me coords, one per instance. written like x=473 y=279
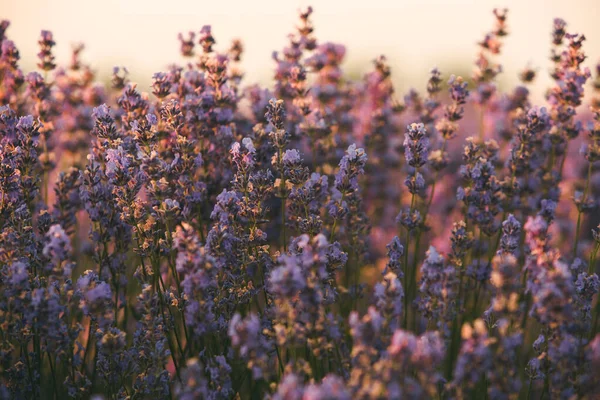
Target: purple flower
x=59 y=245
x=416 y=145
x=247 y=337
x=46 y=43
x=511 y=230
x=288 y=279
x=351 y=166
x=395 y=251
x=261 y=235
x=291 y=156
x=206 y=40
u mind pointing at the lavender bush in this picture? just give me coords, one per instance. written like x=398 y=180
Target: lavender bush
x=215 y=240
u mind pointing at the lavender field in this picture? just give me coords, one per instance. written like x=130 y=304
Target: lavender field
x=319 y=238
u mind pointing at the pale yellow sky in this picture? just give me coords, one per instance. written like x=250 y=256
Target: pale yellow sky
x=415 y=35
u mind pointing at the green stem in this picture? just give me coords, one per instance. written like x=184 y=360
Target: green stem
x=405 y=279
x=279 y=359
x=499 y=236
x=283 y=224
x=455 y=331
x=432 y=192
x=170 y=259
x=527 y=302
x=28 y=363
x=579 y=210
x=282 y=190
x=562 y=162
x=593 y=254
x=529 y=390
x=596 y=312
x=88 y=346
x=173 y=355
x=476 y=301
x=335 y=221
x=54 y=383
x=116 y=279
x=407 y=273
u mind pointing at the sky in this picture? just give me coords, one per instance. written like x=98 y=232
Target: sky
x=415 y=35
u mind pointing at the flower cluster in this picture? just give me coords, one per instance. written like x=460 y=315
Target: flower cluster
x=205 y=239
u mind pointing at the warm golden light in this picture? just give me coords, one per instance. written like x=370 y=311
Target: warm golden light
x=415 y=35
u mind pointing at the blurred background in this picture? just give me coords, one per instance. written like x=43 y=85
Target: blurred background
x=415 y=35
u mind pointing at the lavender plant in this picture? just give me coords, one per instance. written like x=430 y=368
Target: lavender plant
x=207 y=239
